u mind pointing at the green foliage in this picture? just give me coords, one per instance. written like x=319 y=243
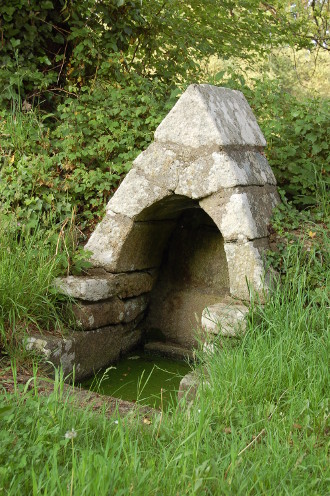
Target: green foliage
x=51 y=45
x=45 y=43
x=28 y=299
x=74 y=159
x=297 y=134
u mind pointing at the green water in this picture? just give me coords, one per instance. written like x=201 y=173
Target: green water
x=140 y=377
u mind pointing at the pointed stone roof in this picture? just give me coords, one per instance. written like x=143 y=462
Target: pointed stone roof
x=208 y=115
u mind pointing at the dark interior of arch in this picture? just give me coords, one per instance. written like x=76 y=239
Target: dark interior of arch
x=193 y=272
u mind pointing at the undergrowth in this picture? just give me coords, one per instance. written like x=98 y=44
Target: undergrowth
x=259 y=423
x=30 y=259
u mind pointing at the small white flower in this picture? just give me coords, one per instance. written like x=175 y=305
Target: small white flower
x=116 y=422
x=70 y=434
x=199 y=410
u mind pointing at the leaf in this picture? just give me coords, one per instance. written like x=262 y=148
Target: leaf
x=15 y=42
x=312 y=234
x=6 y=410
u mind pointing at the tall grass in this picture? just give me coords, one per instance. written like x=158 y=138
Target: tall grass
x=28 y=300
x=257 y=427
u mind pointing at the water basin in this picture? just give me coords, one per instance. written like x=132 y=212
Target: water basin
x=140 y=377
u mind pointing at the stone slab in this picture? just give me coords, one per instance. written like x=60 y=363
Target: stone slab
x=246 y=268
x=211 y=172
x=104 y=286
x=168 y=349
x=243 y=212
x=225 y=319
x=86 y=352
x=135 y=194
x=143 y=248
x=121 y=245
x=107 y=240
x=113 y=311
x=160 y=165
x=206 y=115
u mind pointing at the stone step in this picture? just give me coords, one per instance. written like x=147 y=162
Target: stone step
x=170 y=350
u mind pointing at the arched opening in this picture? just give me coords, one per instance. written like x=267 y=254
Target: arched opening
x=193 y=272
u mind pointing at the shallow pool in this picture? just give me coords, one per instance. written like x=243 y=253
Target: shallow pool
x=148 y=379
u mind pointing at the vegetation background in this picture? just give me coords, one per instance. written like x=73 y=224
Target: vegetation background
x=83 y=86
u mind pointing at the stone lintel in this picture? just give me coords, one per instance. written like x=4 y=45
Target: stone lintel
x=119 y=244
x=208 y=174
x=160 y=165
x=135 y=194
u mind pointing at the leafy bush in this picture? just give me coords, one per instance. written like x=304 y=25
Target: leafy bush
x=75 y=157
x=297 y=134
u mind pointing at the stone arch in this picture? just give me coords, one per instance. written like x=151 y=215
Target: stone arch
x=207 y=155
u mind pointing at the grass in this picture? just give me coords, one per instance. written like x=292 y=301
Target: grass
x=259 y=424
x=28 y=300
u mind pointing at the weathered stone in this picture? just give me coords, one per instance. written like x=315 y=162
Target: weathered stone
x=107 y=240
x=170 y=208
x=225 y=319
x=113 y=311
x=178 y=314
x=87 y=352
x=168 y=349
x=223 y=169
x=188 y=386
x=208 y=115
x=160 y=165
x=143 y=248
x=246 y=268
x=103 y=286
x=135 y=194
x=118 y=244
x=242 y=212
x=194 y=274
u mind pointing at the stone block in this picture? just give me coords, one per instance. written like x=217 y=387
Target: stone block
x=225 y=319
x=143 y=248
x=210 y=173
x=86 y=352
x=170 y=208
x=107 y=240
x=135 y=194
x=207 y=115
x=104 y=286
x=246 y=268
x=169 y=350
x=113 y=311
x=242 y=212
x=119 y=244
x=159 y=165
